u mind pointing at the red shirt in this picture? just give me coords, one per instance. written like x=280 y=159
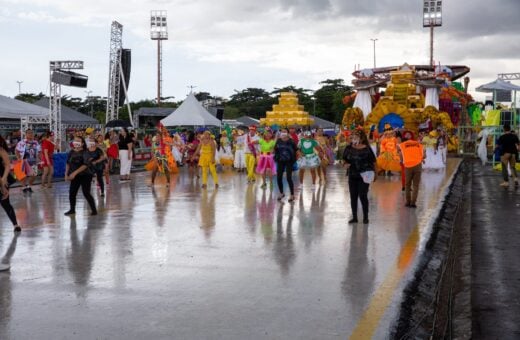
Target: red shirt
x=294 y=137
x=49 y=146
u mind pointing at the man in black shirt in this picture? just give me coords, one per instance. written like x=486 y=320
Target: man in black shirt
x=509 y=146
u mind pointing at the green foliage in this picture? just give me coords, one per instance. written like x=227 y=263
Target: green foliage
x=253 y=102
x=29 y=97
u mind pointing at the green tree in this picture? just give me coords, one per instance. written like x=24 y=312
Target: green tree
x=329 y=99
x=304 y=97
x=29 y=97
x=254 y=102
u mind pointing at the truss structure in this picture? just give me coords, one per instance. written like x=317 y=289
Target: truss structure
x=54 y=119
x=509 y=76
x=114 y=72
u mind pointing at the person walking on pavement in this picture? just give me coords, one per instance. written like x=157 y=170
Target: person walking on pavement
x=360 y=162
x=509 y=146
x=285 y=157
x=76 y=171
x=27 y=151
x=251 y=151
x=6 y=180
x=412 y=156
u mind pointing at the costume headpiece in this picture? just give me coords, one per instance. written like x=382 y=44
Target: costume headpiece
x=388 y=127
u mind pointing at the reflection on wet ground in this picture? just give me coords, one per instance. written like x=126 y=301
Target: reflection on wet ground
x=231 y=263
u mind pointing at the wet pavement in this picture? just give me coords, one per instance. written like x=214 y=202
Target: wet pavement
x=495 y=279
x=231 y=263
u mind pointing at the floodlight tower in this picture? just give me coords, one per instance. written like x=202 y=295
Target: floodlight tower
x=159 y=32
x=432 y=17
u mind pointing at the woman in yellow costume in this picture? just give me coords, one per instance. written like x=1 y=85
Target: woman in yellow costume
x=207 y=149
x=324 y=154
x=388 y=159
x=162 y=157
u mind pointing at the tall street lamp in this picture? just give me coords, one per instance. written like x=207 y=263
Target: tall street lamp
x=374 y=41
x=89 y=98
x=19 y=86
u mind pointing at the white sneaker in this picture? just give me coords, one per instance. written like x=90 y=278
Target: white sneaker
x=504 y=184
x=4 y=267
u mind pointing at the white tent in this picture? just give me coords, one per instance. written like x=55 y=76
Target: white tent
x=190 y=113
x=16 y=109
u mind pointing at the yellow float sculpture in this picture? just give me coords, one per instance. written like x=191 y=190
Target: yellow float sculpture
x=287 y=112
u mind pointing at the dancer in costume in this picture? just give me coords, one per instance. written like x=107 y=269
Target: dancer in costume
x=373 y=137
x=433 y=159
x=192 y=143
x=159 y=163
x=309 y=149
x=225 y=154
x=325 y=155
x=266 y=166
x=388 y=159
x=251 y=152
x=207 y=149
x=240 y=151
x=177 y=148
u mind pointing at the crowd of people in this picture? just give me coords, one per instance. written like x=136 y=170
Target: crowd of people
x=265 y=154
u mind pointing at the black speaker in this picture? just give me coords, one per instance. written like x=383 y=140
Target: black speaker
x=220 y=114
x=126 y=63
x=69 y=78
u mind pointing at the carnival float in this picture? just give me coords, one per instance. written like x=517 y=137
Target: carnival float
x=416 y=97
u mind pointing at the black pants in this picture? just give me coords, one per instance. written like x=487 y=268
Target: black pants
x=100 y=181
x=85 y=182
x=288 y=168
x=9 y=210
x=358 y=190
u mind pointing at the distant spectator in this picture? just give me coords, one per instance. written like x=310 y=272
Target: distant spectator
x=509 y=145
x=28 y=151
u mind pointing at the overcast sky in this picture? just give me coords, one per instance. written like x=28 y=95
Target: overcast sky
x=220 y=46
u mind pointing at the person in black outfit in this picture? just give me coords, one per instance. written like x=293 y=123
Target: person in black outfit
x=96 y=161
x=77 y=172
x=285 y=157
x=358 y=157
x=5 y=181
x=509 y=146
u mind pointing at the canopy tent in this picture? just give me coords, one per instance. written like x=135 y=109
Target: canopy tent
x=190 y=113
x=68 y=115
x=17 y=109
x=498 y=85
x=322 y=123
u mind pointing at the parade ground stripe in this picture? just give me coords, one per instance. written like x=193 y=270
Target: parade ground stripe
x=369 y=322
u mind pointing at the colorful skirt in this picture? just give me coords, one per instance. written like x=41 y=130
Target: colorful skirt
x=266 y=162
x=311 y=161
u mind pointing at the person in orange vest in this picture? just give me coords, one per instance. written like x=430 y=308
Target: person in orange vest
x=412 y=157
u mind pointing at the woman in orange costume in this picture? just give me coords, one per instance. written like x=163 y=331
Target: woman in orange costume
x=388 y=159
x=163 y=160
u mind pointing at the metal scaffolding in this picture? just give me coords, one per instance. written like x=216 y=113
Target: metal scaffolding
x=114 y=72
x=55 y=98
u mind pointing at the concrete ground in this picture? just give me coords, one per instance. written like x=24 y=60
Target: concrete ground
x=232 y=263
x=495 y=256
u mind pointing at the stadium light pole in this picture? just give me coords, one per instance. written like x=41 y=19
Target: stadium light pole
x=432 y=17
x=159 y=32
x=374 y=41
x=19 y=86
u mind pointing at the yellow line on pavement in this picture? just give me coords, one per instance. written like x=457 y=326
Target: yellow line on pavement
x=369 y=322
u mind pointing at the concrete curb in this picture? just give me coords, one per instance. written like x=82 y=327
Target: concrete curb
x=437 y=301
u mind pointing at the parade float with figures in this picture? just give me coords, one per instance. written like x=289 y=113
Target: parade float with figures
x=416 y=98
x=287 y=112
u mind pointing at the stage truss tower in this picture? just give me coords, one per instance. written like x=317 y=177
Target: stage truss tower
x=55 y=96
x=114 y=73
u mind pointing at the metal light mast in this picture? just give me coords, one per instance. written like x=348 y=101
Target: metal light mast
x=159 y=32
x=114 y=73
x=432 y=17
